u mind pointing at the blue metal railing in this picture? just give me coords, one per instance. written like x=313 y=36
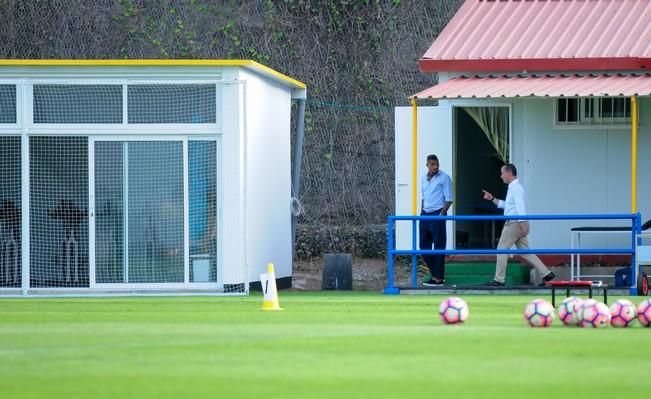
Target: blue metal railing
x=635 y=218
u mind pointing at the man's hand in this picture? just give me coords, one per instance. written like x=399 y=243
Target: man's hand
x=488 y=196
x=523 y=229
x=444 y=210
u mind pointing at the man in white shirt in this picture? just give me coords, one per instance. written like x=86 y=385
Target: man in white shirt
x=436 y=188
x=515 y=231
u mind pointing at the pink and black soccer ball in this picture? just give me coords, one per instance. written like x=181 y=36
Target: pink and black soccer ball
x=568 y=311
x=539 y=313
x=622 y=313
x=454 y=310
x=595 y=314
x=644 y=313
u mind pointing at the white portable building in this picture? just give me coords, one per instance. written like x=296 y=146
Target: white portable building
x=144 y=175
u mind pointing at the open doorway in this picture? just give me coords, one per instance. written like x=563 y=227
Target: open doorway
x=481 y=148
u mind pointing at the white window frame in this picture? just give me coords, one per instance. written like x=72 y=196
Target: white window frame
x=182 y=126
x=12 y=129
x=186 y=284
x=16 y=130
x=595 y=122
x=69 y=129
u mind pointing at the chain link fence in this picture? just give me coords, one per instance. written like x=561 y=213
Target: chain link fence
x=358 y=58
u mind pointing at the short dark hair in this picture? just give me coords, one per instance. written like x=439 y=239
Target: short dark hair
x=509 y=167
x=432 y=157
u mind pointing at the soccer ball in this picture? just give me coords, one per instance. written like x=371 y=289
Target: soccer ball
x=567 y=311
x=644 y=313
x=584 y=303
x=579 y=310
x=595 y=314
x=539 y=313
x=622 y=313
x=453 y=310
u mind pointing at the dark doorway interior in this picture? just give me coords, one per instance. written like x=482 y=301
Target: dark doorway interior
x=477 y=167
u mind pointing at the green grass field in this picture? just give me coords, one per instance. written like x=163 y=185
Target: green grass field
x=324 y=345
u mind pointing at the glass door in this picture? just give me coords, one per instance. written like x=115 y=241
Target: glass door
x=202 y=208
x=149 y=196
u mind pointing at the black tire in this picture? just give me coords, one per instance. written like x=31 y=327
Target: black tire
x=643 y=285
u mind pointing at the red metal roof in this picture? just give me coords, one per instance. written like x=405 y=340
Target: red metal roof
x=541 y=86
x=544 y=35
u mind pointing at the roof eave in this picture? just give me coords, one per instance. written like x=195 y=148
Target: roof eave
x=548 y=85
x=535 y=64
x=253 y=65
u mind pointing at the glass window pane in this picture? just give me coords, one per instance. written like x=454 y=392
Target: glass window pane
x=619 y=104
x=155 y=211
x=77 y=104
x=572 y=109
x=58 y=211
x=109 y=212
x=606 y=107
x=561 y=110
x=190 y=103
x=7 y=104
x=588 y=109
x=10 y=212
x=202 y=175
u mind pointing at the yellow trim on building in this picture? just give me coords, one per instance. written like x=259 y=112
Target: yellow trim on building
x=266 y=70
x=256 y=66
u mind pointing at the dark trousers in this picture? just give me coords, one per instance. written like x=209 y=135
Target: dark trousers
x=433 y=232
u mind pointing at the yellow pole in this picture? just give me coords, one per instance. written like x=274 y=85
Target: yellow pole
x=634 y=155
x=414 y=155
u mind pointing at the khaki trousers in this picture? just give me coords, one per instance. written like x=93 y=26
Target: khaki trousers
x=511 y=236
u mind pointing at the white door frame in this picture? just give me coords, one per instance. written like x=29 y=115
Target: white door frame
x=184 y=139
x=478 y=104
